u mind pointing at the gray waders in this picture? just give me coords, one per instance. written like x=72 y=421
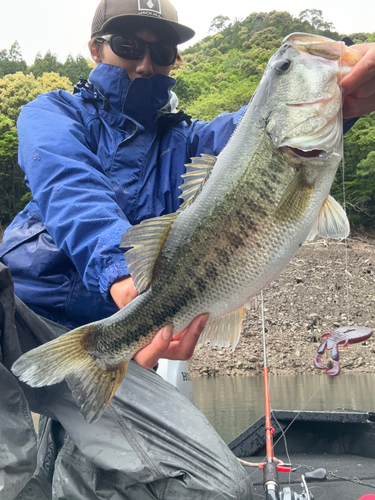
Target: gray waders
x=151 y=442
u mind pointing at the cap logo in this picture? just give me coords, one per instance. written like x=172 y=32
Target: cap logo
x=149 y=7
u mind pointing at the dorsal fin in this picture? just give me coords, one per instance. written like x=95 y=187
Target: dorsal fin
x=145 y=241
x=331 y=222
x=197 y=173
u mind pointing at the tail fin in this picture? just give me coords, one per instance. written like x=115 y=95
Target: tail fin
x=66 y=358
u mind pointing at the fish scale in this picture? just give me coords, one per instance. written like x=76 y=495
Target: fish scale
x=229 y=213
x=243 y=217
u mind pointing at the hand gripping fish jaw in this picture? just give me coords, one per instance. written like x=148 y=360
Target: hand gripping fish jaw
x=341 y=336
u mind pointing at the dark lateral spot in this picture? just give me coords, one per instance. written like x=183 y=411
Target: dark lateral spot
x=190 y=273
x=251 y=224
x=277 y=167
x=201 y=284
x=211 y=271
x=264 y=194
x=235 y=239
x=88 y=340
x=181 y=300
x=272 y=177
x=244 y=233
x=189 y=294
x=255 y=207
x=270 y=189
x=222 y=256
x=246 y=222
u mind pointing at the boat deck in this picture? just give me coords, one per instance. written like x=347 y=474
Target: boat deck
x=334 y=488
x=341 y=442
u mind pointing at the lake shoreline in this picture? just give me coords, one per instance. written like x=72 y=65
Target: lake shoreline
x=328 y=284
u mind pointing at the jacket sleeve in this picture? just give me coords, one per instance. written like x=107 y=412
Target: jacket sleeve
x=75 y=198
x=211 y=137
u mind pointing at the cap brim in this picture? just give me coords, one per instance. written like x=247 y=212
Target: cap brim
x=183 y=32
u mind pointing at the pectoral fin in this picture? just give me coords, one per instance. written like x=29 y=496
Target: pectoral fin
x=224 y=331
x=295 y=201
x=332 y=221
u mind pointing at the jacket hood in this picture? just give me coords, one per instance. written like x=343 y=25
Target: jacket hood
x=143 y=100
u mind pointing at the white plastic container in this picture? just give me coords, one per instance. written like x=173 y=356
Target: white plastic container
x=177 y=374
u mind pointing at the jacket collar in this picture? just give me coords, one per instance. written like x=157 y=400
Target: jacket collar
x=140 y=100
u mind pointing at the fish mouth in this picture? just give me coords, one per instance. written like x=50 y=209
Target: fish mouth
x=315 y=153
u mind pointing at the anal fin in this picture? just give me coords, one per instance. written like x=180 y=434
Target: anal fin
x=225 y=330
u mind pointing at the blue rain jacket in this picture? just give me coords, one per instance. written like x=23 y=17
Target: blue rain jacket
x=96 y=162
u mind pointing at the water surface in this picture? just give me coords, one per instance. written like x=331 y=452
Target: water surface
x=232 y=404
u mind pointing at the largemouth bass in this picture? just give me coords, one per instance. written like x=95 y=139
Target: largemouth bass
x=243 y=217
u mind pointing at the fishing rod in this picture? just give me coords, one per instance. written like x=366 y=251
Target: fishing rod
x=270 y=473
x=271 y=468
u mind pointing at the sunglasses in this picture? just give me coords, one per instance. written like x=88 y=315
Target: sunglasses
x=133 y=48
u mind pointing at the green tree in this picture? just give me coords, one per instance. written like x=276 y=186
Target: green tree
x=268 y=39
x=11 y=61
x=359 y=159
x=15 y=91
x=73 y=68
x=362 y=37
x=315 y=18
x=12 y=185
x=19 y=89
x=46 y=64
x=218 y=23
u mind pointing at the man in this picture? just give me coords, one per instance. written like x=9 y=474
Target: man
x=98 y=162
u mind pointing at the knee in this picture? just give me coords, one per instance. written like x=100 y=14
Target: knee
x=236 y=487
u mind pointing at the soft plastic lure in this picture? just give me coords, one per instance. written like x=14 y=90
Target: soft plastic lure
x=344 y=336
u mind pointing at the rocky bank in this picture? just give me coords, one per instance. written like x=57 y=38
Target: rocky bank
x=328 y=284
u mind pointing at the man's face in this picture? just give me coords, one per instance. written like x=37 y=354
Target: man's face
x=144 y=68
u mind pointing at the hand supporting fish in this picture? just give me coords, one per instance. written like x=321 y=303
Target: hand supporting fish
x=165 y=344
x=243 y=217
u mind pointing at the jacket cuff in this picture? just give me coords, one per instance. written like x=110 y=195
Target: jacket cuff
x=117 y=269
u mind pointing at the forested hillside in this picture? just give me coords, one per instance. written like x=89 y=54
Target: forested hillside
x=217 y=74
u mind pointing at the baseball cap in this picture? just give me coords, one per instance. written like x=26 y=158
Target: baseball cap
x=114 y=15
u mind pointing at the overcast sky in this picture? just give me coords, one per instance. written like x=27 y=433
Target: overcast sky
x=63 y=26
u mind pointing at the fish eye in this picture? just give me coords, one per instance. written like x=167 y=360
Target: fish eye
x=282 y=66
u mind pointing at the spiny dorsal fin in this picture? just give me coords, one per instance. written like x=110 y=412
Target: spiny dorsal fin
x=197 y=173
x=224 y=331
x=332 y=221
x=145 y=240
